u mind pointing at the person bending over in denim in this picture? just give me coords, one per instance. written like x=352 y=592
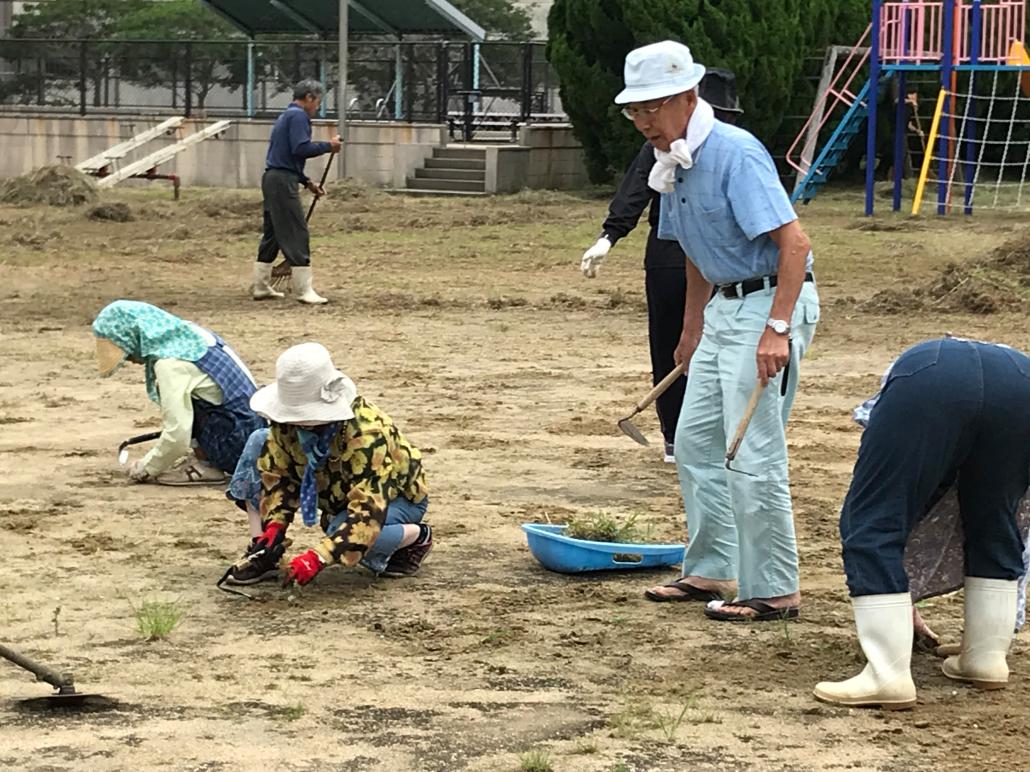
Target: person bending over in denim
x=949 y=410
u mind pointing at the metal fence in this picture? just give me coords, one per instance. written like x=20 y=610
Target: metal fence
x=470 y=85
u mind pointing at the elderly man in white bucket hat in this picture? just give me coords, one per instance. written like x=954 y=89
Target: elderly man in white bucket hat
x=751 y=312
x=340 y=462
x=665 y=278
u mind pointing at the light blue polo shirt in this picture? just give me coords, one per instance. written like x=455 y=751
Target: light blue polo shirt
x=723 y=208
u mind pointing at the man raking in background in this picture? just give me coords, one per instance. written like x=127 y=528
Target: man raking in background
x=285 y=228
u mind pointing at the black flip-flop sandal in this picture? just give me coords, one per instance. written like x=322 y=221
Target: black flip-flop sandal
x=690 y=593
x=766 y=613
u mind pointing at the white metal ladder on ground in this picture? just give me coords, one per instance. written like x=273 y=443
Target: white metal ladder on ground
x=101 y=161
x=165 y=154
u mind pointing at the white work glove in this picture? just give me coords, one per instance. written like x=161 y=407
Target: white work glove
x=138 y=473
x=593 y=257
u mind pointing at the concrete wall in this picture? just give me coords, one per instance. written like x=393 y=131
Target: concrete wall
x=507 y=169
x=381 y=154
x=556 y=159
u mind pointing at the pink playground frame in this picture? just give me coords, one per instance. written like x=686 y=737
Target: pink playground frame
x=910 y=35
x=1004 y=22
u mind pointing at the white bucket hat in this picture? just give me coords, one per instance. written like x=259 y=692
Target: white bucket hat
x=307 y=389
x=659 y=70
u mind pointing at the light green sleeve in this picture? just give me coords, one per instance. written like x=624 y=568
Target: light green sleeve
x=178 y=382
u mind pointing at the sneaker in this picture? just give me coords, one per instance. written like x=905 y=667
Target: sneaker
x=407 y=560
x=192 y=471
x=670 y=456
x=263 y=566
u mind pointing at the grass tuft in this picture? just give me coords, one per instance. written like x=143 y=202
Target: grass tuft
x=602 y=526
x=535 y=761
x=155 y=619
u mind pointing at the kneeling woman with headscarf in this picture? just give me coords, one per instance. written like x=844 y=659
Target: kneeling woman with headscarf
x=340 y=462
x=200 y=384
x=951 y=412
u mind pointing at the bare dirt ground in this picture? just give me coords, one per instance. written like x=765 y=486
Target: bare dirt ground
x=469 y=322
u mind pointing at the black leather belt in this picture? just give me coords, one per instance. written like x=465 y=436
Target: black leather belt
x=746 y=287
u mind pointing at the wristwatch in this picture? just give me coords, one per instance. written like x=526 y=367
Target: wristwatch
x=778 y=326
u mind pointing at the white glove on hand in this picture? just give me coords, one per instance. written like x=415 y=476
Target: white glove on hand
x=593 y=257
x=137 y=472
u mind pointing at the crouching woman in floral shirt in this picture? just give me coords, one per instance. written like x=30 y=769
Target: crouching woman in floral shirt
x=340 y=462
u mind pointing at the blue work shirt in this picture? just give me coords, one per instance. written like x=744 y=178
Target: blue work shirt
x=723 y=208
x=290 y=145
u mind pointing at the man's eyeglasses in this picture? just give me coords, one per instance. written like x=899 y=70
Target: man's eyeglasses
x=633 y=113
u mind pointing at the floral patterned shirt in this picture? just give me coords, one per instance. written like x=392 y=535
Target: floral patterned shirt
x=370 y=464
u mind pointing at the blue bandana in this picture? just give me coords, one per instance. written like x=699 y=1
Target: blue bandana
x=315 y=444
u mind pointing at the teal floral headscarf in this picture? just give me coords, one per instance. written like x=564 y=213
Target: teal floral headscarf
x=149 y=333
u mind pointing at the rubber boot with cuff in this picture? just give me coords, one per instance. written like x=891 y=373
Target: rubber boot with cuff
x=262 y=289
x=884 y=624
x=302 y=286
x=990 y=618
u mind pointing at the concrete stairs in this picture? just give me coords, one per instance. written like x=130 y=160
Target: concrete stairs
x=456 y=171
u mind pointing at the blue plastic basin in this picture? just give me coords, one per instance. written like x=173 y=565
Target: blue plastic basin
x=558 y=552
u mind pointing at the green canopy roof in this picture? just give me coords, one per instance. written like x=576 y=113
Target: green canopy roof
x=365 y=17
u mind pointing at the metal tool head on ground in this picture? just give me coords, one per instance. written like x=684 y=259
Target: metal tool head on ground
x=626 y=425
x=65 y=697
x=123 y=448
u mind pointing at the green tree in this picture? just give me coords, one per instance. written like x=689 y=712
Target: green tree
x=73 y=19
x=500 y=18
x=46 y=64
x=49 y=71
x=152 y=64
x=765 y=44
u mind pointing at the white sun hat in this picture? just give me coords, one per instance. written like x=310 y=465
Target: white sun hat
x=307 y=389
x=659 y=70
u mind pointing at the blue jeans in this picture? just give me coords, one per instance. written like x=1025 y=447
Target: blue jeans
x=948 y=407
x=399 y=512
x=245 y=488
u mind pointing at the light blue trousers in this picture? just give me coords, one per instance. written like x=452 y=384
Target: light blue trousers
x=740 y=526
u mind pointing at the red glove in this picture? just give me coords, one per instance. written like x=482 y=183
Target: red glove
x=273 y=534
x=304 y=568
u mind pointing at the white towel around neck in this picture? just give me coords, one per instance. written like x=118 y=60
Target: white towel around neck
x=681 y=152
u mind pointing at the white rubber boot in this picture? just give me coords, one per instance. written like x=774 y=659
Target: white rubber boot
x=261 y=289
x=884 y=624
x=990 y=618
x=302 y=287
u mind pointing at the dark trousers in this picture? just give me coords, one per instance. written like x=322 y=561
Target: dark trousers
x=285 y=227
x=666 y=290
x=949 y=407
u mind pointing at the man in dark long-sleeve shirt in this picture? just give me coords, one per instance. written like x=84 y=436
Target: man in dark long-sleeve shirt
x=665 y=277
x=285 y=228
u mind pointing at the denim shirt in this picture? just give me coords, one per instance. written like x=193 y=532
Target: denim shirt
x=723 y=208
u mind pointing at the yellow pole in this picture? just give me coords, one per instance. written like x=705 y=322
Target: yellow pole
x=931 y=140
